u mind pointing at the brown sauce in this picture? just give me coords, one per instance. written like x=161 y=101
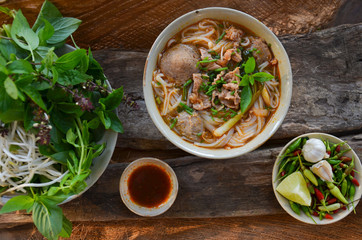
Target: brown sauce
x=149 y=186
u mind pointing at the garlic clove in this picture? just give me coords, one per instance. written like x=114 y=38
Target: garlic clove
x=323 y=170
x=314 y=150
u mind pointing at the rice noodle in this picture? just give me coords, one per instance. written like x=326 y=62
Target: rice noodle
x=24 y=162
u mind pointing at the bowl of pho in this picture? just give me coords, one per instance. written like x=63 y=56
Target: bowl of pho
x=217 y=83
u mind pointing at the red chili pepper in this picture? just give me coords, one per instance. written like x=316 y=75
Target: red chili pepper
x=344 y=208
x=341 y=165
x=315 y=214
x=352 y=173
x=282 y=173
x=328 y=216
x=329 y=153
x=319 y=194
x=345 y=159
x=327 y=198
x=355 y=182
x=297 y=152
x=331 y=201
x=338 y=148
x=335 y=211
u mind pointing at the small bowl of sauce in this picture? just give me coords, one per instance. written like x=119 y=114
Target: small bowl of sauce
x=148 y=187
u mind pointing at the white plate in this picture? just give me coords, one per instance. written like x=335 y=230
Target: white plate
x=302 y=217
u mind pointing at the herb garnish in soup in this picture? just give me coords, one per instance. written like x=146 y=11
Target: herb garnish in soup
x=216 y=84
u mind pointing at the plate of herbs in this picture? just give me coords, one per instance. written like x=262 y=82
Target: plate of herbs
x=58 y=121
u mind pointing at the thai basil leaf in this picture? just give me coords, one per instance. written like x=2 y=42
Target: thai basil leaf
x=63 y=28
x=16 y=203
x=45 y=32
x=245 y=98
x=48 y=219
x=48 y=11
x=10 y=109
x=60 y=157
x=116 y=124
x=72 y=77
x=249 y=65
x=70 y=60
x=11 y=88
x=62 y=121
x=95 y=68
x=262 y=76
x=66 y=228
x=6 y=48
x=34 y=95
x=113 y=100
x=21 y=28
x=20 y=67
x=245 y=80
x=71 y=137
x=104 y=119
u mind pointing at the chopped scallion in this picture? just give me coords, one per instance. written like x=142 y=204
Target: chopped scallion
x=220 y=38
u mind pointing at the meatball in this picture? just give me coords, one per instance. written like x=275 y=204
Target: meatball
x=179 y=63
x=190 y=125
x=262 y=53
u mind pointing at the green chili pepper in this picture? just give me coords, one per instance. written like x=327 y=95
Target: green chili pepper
x=328 y=147
x=295 y=207
x=333 y=161
x=334 y=146
x=344 y=187
x=309 y=185
x=308 y=173
x=348 y=170
x=304 y=141
x=352 y=191
x=336 y=192
x=338 y=155
x=292 y=167
x=307 y=212
x=330 y=208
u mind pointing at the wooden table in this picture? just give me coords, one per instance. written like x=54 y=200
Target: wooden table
x=230 y=198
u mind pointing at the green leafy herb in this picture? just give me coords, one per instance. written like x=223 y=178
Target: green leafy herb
x=262 y=76
x=250 y=64
x=64 y=100
x=245 y=98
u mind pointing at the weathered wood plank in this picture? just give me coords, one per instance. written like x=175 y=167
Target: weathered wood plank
x=135 y=24
x=280 y=226
x=327 y=87
x=236 y=187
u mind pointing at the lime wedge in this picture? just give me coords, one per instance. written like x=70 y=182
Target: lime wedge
x=295 y=189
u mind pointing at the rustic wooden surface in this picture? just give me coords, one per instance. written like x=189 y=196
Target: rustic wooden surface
x=135 y=24
x=218 y=199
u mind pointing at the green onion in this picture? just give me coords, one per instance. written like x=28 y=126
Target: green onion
x=236 y=82
x=220 y=69
x=206 y=60
x=186 y=108
x=232 y=93
x=199 y=134
x=238 y=75
x=221 y=37
x=158 y=100
x=174 y=121
x=158 y=83
x=184 y=90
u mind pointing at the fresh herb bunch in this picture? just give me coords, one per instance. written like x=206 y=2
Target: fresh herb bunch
x=64 y=100
x=328 y=198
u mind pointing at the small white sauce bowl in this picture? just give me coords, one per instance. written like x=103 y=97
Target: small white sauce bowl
x=342 y=213
x=260 y=30
x=146 y=211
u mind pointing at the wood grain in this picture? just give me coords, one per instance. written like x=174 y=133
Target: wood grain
x=236 y=187
x=280 y=226
x=135 y=24
x=327 y=87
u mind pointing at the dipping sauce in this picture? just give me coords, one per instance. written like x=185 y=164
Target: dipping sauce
x=149 y=186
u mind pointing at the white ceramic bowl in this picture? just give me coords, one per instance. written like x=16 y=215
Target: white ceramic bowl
x=101 y=162
x=302 y=217
x=260 y=30
x=145 y=211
